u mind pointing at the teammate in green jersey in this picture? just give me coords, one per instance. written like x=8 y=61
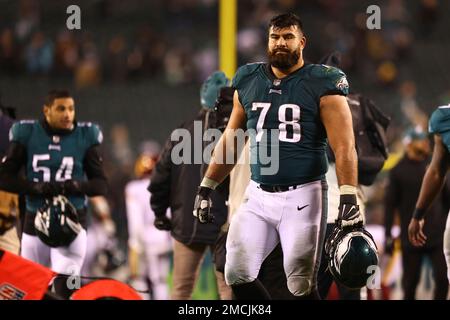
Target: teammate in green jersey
x=61 y=158
x=433 y=181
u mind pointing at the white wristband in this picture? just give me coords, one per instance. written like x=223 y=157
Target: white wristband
x=347 y=189
x=209 y=183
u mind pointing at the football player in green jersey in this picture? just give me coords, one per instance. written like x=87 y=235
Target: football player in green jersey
x=433 y=181
x=61 y=158
x=293 y=108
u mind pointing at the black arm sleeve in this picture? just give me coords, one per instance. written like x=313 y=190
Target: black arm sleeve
x=391 y=201
x=96 y=184
x=10 y=179
x=160 y=182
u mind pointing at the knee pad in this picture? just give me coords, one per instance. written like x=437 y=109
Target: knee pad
x=236 y=277
x=299 y=286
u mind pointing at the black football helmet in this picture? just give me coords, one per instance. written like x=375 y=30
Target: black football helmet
x=56 y=223
x=222 y=108
x=351 y=252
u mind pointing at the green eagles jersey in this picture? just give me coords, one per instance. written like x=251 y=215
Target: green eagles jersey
x=55 y=157
x=440 y=124
x=283 y=118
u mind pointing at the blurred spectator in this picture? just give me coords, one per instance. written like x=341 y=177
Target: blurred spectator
x=117 y=58
x=428 y=15
x=178 y=66
x=66 y=53
x=121 y=148
x=148 y=248
x=28 y=20
x=387 y=73
x=9 y=53
x=39 y=54
x=88 y=72
x=409 y=106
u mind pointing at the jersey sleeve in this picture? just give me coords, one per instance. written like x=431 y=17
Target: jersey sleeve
x=95 y=135
x=241 y=76
x=20 y=132
x=243 y=73
x=236 y=82
x=329 y=81
x=440 y=120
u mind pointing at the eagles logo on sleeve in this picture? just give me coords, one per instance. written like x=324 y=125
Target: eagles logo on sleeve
x=342 y=83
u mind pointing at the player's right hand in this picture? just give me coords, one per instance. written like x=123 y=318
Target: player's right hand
x=162 y=223
x=202 y=205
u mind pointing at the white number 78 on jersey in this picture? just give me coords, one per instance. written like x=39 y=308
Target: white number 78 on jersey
x=284 y=125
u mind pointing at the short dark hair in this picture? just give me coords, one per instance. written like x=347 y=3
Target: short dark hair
x=286 y=20
x=56 y=94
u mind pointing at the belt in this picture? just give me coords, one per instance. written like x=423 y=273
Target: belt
x=268 y=188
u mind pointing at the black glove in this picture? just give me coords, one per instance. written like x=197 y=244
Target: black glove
x=162 y=223
x=47 y=189
x=72 y=187
x=202 y=205
x=349 y=214
x=52 y=189
x=389 y=245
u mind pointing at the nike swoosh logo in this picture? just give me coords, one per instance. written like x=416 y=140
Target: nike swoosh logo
x=301 y=208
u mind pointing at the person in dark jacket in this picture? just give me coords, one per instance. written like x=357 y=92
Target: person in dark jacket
x=9 y=239
x=174 y=185
x=405 y=180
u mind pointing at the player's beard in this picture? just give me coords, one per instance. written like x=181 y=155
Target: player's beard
x=284 y=61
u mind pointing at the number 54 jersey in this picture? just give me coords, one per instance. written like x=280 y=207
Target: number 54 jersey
x=55 y=157
x=283 y=119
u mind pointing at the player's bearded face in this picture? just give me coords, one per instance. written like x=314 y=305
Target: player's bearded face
x=61 y=114
x=285 y=47
x=283 y=58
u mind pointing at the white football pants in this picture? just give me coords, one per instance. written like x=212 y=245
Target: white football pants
x=447 y=246
x=65 y=260
x=295 y=218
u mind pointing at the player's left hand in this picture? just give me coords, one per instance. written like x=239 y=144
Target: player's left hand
x=349 y=214
x=415 y=232
x=47 y=189
x=202 y=205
